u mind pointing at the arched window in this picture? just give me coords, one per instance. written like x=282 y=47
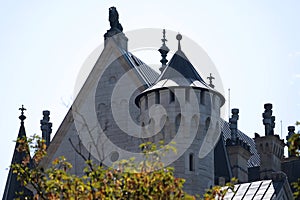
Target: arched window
x=191 y=162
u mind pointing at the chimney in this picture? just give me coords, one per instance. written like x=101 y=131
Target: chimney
x=270 y=147
x=238 y=150
x=46 y=127
x=291 y=132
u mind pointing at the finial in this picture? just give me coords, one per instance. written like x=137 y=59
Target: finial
x=291 y=132
x=163 y=51
x=22 y=116
x=268 y=119
x=210 y=78
x=179 y=37
x=46 y=127
x=233 y=124
x=164 y=37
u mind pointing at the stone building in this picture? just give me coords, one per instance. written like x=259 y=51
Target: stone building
x=124 y=103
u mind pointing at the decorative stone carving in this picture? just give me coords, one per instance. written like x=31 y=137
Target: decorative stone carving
x=268 y=119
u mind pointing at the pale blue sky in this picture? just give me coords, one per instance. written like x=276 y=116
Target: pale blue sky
x=255 y=46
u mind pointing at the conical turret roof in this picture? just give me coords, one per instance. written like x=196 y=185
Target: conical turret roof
x=180 y=73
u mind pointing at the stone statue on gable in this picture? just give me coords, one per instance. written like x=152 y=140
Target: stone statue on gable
x=115 y=26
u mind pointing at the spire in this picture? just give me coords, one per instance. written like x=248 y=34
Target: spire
x=180 y=66
x=163 y=50
x=210 y=78
x=13 y=186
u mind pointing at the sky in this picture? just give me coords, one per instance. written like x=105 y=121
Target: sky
x=255 y=46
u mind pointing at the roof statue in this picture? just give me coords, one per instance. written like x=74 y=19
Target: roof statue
x=115 y=26
x=114 y=19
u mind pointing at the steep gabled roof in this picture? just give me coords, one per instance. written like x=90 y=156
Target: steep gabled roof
x=254 y=159
x=111 y=52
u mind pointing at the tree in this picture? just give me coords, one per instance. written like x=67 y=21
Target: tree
x=294 y=148
x=146 y=180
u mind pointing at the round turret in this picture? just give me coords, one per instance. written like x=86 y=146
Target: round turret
x=180 y=107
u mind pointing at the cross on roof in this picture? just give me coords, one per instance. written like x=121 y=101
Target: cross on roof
x=22 y=116
x=210 y=78
x=22 y=109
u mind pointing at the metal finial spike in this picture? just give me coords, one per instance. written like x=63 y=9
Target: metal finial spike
x=22 y=116
x=164 y=40
x=179 y=37
x=163 y=51
x=210 y=78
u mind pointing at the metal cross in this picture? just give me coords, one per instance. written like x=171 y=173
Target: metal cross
x=210 y=78
x=22 y=110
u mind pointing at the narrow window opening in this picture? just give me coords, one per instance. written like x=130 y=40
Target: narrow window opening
x=191 y=162
x=202 y=97
x=172 y=96
x=146 y=102
x=157 y=97
x=207 y=123
x=187 y=94
x=177 y=122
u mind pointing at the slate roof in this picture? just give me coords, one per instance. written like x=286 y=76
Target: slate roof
x=259 y=190
x=146 y=73
x=180 y=73
x=254 y=159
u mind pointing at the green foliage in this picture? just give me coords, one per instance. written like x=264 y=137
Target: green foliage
x=125 y=180
x=219 y=192
x=294 y=148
